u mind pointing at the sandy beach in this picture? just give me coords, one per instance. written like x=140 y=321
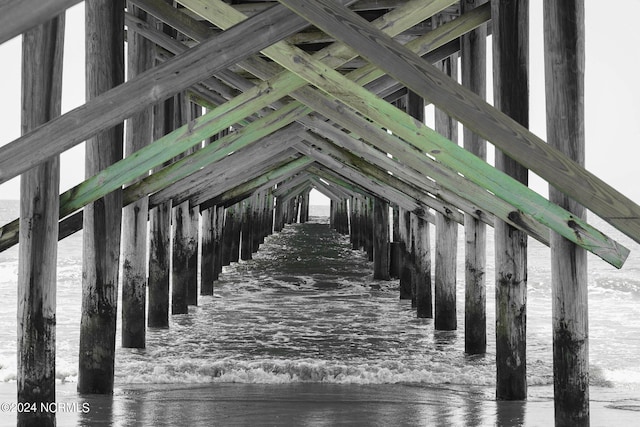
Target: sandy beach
x=318 y=404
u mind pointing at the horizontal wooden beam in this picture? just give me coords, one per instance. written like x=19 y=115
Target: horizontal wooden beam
x=475 y=113
x=18 y=16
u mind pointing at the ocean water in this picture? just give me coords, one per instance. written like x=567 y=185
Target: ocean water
x=306 y=310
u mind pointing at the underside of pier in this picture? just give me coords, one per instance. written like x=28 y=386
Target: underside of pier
x=234 y=111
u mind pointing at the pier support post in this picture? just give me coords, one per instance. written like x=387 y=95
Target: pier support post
x=246 y=230
x=423 y=295
x=380 y=239
x=102 y=218
x=218 y=243
x=446 y=228
x=407 y=268
x=511 y=95
x=140 y=57
x=227 y=234
x=207 y=251
x=564 y=75
x=369 y=227
x=355 y=224
x=182 y=233
x=42 y=51
x=473 y=63
x=160 y=234
x=236 y=228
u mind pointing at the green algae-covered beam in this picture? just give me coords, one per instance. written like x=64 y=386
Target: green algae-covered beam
x=475 y=113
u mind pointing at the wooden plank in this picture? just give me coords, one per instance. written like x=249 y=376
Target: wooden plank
x=473 y=51
x=564 y=41
x=523 y=199
x=140 y=57
x=102 y=218
x=18 y=16
x=167 y=79
x=514 y=139
x=511 y=96
x=42 y=55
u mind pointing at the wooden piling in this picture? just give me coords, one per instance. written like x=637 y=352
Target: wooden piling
x=564 y=75
x=380 y=239
x=218 y=242
x=369 y=227
x=102 y=218
x=473 y=50
x=140 y=57
x=511 y=96
x=304 y=207
x=227 y=235
x=42 y=51
x=194 y=111
x=446 y=229
x=407 y=270
x=246 y=244
x=180 y=257
x=160 y=233
x=422 y=279
x=181 y=232
x=235 y=229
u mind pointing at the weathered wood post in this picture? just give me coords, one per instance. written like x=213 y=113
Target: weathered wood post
x=160 y=234
x=257 y=219
x=246 y=231
x=395 y=255
x=353 y=231
x=473 y=63
x=414 y=106
x=140 y=57
x=380 y=239
x=208 y=247
x=446 y=228
x=269 y=214
x=102 y=218
x=369 y=227
x=422 y=279
x=564 y=75
x=511 y=96
x=218 y=243
x=42 y=51
x=207 y=251
x=227 y=235
x=160 y=225
x=181 y=231
x=304 y=207
x=236 y=228
x=194 y=111
x=407 y=268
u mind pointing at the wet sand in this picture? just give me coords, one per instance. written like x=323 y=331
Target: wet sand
x=316 y=404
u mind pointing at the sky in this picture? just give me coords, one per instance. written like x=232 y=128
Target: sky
x=612 y=110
